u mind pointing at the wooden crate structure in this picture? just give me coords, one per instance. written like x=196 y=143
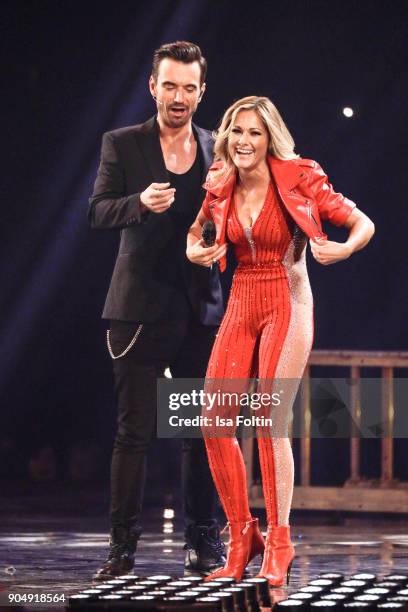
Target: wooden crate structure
x=385 y=494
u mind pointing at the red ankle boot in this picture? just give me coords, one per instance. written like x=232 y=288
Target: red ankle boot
x=245 y=543
x=278 y=556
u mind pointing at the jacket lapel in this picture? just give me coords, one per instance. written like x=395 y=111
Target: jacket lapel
x=288 y=175
x=219 y=206
x=149 y=142
x=286 y=172
x=206 y=144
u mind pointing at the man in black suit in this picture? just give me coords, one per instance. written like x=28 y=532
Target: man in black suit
x=163 y=311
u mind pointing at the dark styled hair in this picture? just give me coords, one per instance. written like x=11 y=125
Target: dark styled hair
x=181 y=51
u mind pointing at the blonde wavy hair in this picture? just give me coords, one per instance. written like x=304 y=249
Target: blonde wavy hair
x=281 y=143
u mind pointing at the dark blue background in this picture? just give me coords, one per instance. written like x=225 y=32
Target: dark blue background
x=73 y=71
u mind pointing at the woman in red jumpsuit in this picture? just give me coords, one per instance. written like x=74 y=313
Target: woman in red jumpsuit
x=265 y=201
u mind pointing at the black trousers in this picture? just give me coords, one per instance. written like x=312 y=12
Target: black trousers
x=185 y=346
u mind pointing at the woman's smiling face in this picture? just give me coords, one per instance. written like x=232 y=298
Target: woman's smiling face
x=248 y=140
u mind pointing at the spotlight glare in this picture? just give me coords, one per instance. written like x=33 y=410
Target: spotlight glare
x=348 y=112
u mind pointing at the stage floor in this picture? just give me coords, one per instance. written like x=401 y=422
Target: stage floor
x=52 y=539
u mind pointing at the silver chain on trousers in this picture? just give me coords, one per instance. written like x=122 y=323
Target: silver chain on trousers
x=127 y=349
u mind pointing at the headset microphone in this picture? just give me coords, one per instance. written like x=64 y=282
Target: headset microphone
x=157 y=101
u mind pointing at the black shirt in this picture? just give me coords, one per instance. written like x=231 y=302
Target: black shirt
x=183 y=212
x=184 y=209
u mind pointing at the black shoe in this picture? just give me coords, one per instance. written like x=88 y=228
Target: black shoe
x=205 y=551
x=121 y=557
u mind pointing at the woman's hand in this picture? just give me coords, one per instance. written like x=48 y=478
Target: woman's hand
x=361 y=229
x=328 y=252
x=197 y=253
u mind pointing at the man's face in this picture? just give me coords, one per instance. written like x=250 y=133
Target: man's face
x=177 y=91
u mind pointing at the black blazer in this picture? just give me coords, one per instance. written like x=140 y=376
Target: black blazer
x=131 y=159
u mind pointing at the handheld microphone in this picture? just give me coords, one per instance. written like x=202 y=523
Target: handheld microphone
x=208 y=233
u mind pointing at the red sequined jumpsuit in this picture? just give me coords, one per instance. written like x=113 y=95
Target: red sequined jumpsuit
x=267 y=331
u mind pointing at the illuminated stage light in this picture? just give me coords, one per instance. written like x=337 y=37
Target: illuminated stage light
x=399 y=599
x=105 y=587
x=323 y=604
x=378 y=591
x=323 y=583
x=146 y=601
x=238 y=594
x=136 y=588
x=334 y=576
x=129 y=577
x=349 y=591
x=290 y=604
x=358 y=585
x=302 y=596
x=401 y=578
x=201 y=589
x=79 y=600
x=371 y=599
x=262 y=590
x=339 y=597
x=227 y=600
x=348 y=112
x=168 y=513
x=366 y=577
x=225 y=580
x=316 y=591
x=251 y=596
x=387 y=584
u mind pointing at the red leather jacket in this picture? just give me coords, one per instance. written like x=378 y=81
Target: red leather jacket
x=304 y=190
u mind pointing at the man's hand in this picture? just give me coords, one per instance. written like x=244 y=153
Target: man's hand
x=327 y=252
x=158 y=197
x=205 y=256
